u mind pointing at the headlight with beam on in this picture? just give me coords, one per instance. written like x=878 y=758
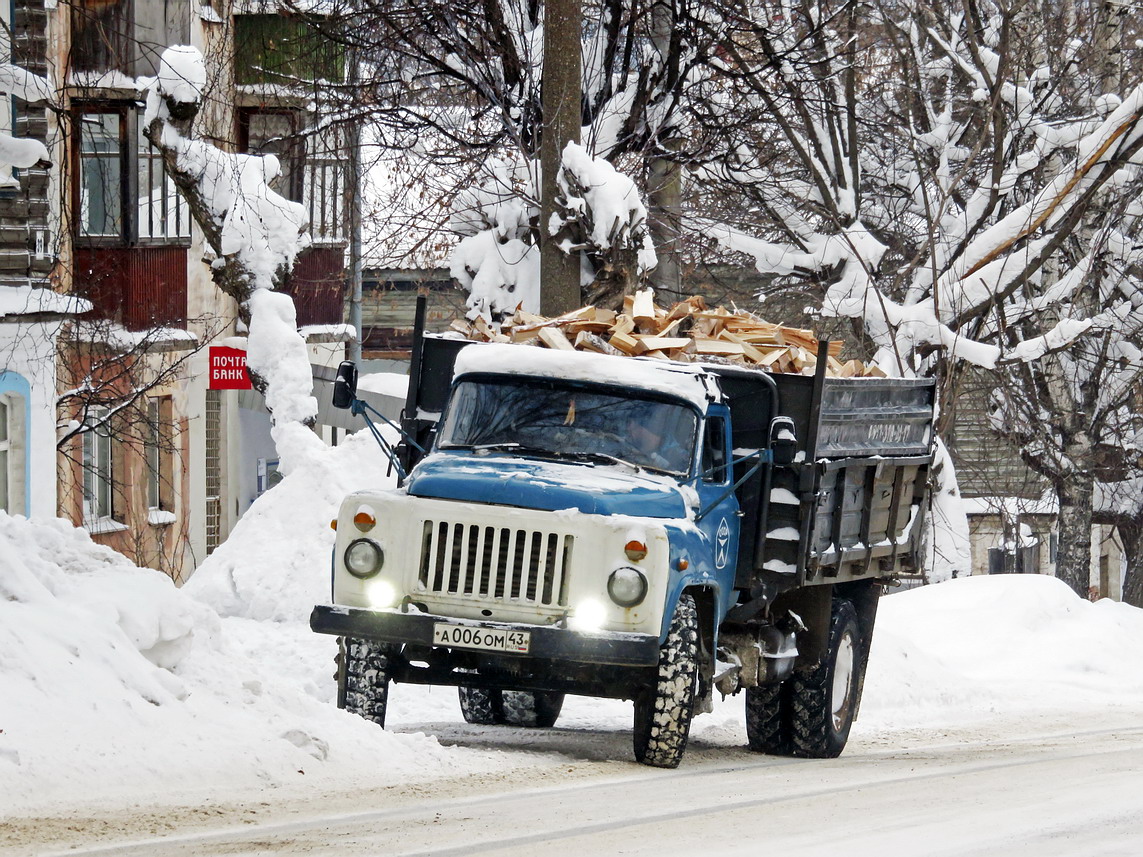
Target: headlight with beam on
x=589 y=616
x=364 y=558
x=380 y=593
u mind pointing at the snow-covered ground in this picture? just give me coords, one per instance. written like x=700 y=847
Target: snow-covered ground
x=115 y=687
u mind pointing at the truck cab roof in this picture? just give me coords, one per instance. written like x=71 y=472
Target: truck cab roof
x=691 y=383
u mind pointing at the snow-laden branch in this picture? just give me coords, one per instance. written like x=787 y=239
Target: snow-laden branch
x=253 y=234
x=600 y=214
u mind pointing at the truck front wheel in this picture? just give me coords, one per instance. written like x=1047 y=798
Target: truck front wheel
x=664 y=710
x=824 y=701
x=363 y=679
x=492 y=706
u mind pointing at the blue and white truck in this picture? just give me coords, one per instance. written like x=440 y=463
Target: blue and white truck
x=630 y=528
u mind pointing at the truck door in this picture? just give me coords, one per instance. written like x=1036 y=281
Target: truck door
x=719 y=523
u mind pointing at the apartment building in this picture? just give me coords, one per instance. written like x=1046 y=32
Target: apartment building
x=32 y=314
x=151 y=460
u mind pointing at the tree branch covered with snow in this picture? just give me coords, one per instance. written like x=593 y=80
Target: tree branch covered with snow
x=253 y=235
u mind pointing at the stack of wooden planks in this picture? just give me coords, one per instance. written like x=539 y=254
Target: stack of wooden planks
x=688 y=332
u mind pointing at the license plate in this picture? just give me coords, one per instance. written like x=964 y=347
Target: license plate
x=487 y=639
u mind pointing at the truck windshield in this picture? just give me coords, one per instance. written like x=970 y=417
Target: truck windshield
x=540 y=417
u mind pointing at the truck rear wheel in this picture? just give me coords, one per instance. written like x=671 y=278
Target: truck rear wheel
x=766 y=729
x=823 y=702
x=493 y=706
x=363 y=679
x=664 y=710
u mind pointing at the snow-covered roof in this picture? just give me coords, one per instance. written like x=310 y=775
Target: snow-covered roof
x=28 y=300
x=646 y=373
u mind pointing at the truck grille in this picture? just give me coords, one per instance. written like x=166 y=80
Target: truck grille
x=527 y=566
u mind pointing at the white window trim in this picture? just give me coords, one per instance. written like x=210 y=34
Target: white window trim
x=16 y=447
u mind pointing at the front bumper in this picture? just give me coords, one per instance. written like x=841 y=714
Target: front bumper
x=548 y=643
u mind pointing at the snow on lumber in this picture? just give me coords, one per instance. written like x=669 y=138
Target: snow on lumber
x=688 y=332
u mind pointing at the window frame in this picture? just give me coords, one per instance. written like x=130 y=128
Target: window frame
x=157 y=454
x=313 y=160
x=716 y=472
x=7 y=453
x=97 y=459
x=295 y=140
x=131 y=159
x=15 y=395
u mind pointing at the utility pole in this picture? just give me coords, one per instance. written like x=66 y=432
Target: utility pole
x=355 y=187
x=560 y=101
x=665 y=185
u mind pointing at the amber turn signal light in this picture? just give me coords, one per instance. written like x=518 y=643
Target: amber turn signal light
x=364 y=521
x=635 y=550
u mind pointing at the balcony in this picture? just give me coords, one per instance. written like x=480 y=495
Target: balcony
x=318 y=286
x=138 y=287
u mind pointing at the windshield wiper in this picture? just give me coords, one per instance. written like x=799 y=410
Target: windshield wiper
x=605 y=457
x=504 y=446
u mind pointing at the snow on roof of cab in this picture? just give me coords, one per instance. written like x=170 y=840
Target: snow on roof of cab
x=675 y=379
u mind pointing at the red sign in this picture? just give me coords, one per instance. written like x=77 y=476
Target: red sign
x=228 y=369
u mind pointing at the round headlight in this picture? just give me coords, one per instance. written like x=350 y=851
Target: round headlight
x=627 y=586
x=364 y=558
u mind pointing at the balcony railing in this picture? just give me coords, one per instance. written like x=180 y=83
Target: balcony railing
x=318 y=286
x=138 y=287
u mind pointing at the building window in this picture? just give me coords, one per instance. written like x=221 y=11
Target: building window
x=326 y=176
x=5 y=455
x=276 y=132
x=117 y=163
x=13 y=448
x=12 y=454
x=213 y=468
x=274 y=49
x=157 y=450
x=163 y=214
x=314 y=169
x=101 y=191
x=102 y=35
x=98 y=485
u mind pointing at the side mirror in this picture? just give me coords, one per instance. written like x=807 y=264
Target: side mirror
x=783 y=441
x=345 y=386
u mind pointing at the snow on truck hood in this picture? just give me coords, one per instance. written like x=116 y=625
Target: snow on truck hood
x=660 y=376
x=549 y=486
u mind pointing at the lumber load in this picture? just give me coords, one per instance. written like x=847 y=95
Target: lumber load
x=688 y=332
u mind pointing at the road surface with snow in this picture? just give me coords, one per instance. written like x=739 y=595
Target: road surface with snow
x=1030 y=786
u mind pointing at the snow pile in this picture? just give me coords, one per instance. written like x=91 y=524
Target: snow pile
x=21 y=152
x=498 y=259
x=1006 y=644
x=276 y=563
x=182 y=74
x=111 y=679
x=601 y=207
